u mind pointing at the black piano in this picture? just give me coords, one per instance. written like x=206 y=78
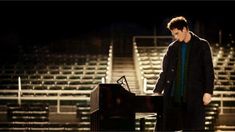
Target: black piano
x=113 y=108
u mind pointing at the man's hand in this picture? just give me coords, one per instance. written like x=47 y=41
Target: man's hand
x=206 y=98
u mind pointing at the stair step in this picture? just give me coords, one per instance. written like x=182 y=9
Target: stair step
x=128 y=77
x=130 y=70
x=124 y=66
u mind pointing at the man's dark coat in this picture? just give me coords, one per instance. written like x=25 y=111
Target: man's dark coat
x=200 y=77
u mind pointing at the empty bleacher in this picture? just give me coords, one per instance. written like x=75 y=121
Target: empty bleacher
x=56 y=79
x=52 y=75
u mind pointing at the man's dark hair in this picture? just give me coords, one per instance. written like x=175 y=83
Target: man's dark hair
x=177 y=22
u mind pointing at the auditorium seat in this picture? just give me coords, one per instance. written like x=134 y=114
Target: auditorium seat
x=27 y=112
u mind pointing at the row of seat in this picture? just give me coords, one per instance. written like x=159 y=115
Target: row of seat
x=28 y=112
x=54 y=70
x=39 y=127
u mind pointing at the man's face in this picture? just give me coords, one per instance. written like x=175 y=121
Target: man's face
x=179 y=35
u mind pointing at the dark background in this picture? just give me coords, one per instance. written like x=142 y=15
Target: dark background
x=61 y=22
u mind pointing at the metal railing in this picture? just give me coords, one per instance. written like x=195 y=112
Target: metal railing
x=155 y=38
x=57 y=98
x=110 y=64
x=222 y=98
x=138 y=67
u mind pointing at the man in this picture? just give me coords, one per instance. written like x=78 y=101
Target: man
x=186 y=80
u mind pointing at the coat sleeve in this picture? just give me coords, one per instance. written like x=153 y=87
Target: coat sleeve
x=208 y=68
x=159 y=87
